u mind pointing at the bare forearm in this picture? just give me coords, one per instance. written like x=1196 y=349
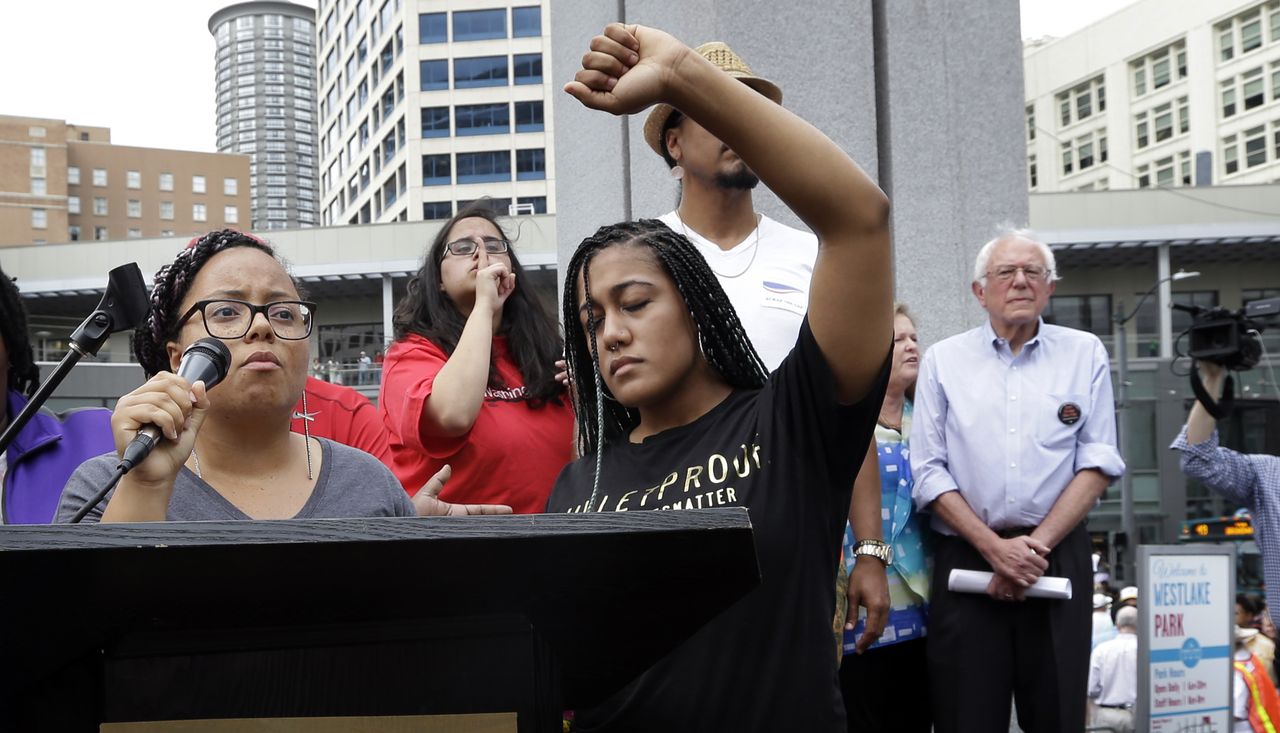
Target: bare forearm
x=956 y=512
x=458 y=389
x=809 y=172
x=1072 y=505
x=135 y=502
x=864 y=506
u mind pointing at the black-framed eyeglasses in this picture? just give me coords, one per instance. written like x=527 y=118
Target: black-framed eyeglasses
x=467 y=247
x=228 y=318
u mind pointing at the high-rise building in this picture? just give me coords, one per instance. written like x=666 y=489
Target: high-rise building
x=62 y=183
x=427 y=105
x=267 y=106
x=1163 y=93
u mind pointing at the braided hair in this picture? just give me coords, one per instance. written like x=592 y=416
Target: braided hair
x=171 y=285
x=721 y=336
x=24 y=375
x=532 y=337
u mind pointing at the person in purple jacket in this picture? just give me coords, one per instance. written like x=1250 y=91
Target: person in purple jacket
x=38 y=462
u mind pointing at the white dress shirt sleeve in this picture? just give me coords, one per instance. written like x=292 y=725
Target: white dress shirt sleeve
x=1096 y=441
x=929 y=437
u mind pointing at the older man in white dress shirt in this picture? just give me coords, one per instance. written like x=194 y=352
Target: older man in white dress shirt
x=1113 y=675
x=1013 y=443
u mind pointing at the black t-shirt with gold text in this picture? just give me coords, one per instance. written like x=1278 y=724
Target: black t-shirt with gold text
x=789 y=454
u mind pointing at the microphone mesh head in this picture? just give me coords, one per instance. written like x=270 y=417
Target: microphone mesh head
x=215 y=351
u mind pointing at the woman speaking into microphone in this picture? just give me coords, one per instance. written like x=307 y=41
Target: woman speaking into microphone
x=229 y=454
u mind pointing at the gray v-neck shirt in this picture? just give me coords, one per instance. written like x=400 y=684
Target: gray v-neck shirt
x=352 y=483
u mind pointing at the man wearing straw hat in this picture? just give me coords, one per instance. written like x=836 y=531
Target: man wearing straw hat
x=764 y=268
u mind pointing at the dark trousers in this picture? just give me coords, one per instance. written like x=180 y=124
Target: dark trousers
x=886 y=689
x=983 y=651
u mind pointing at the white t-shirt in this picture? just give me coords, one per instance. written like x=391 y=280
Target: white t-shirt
x=767 y=281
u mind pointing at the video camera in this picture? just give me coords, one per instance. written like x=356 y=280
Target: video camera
x=1231 y=339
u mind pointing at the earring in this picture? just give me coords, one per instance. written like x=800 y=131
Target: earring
x=677 y=172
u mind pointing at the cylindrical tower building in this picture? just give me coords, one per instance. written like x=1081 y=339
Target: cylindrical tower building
x=267 y=106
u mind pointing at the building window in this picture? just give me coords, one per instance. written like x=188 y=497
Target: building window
x=1074 y=105
x=134 y=234
x=531 y=165
x=73 y=204
x=484 y=167
x=529 y=116
x=99 y=206
x=1255 y=147
x=1090 y=313
x=482 y=119
x=1158 y=69
x=73 y=175
x=479 y=25
x=133 y=179
x=166 y=210
x=133 y=208
x=435 y=122
x=1230 y=155
x=433 y=75
x=38 y=157
x=433 y=210
x=1031 y=123
x=436 y=170
x=1032 y=179
x=482 y=71
x=539 y=203
x=497 y=205
x=230 y=214
x=1160 y=123
x=39 y=187
x=1084 y=152
x=99 y=176
x=526 y=22
x=73 y=233
x=100 y=233
x=230 y=187
x=199 y=212
x=39 y=219
x=528 y=68
x=197 y=184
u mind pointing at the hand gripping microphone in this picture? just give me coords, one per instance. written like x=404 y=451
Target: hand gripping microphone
x=207 y=359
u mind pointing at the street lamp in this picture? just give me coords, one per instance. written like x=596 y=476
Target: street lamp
x=1127 y=519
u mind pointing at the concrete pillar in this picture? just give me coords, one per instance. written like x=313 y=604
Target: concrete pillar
x=927 y=97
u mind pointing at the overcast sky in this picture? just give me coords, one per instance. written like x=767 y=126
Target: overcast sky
x=145 y=68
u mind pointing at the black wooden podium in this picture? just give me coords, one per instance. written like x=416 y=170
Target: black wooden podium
x=527 y=614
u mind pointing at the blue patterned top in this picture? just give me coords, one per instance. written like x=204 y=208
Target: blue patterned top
x=1249 y=480
x=912 y=557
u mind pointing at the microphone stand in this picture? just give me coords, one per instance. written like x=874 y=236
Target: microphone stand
x=122 y=307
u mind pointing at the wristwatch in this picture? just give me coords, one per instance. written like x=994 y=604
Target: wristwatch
x=874 y=548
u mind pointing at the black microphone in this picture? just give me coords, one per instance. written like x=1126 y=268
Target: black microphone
x=207 y=359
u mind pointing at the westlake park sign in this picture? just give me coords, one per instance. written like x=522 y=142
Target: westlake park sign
x=1186 y=636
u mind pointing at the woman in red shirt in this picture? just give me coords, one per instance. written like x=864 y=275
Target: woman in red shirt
x=470 y=380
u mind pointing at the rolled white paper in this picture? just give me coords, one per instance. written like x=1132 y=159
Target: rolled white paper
x=976 y=581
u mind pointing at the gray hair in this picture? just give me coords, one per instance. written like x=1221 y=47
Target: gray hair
x=1127 y=618
x=1008 y=231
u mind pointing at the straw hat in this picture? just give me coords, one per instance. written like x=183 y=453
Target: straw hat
x=1129 y=593
x=732 y=64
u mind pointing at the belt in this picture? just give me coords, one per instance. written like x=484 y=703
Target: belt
x=1126 y=706
x=1011 y=532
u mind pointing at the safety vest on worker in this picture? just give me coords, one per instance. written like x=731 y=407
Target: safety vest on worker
x=1264 y=703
